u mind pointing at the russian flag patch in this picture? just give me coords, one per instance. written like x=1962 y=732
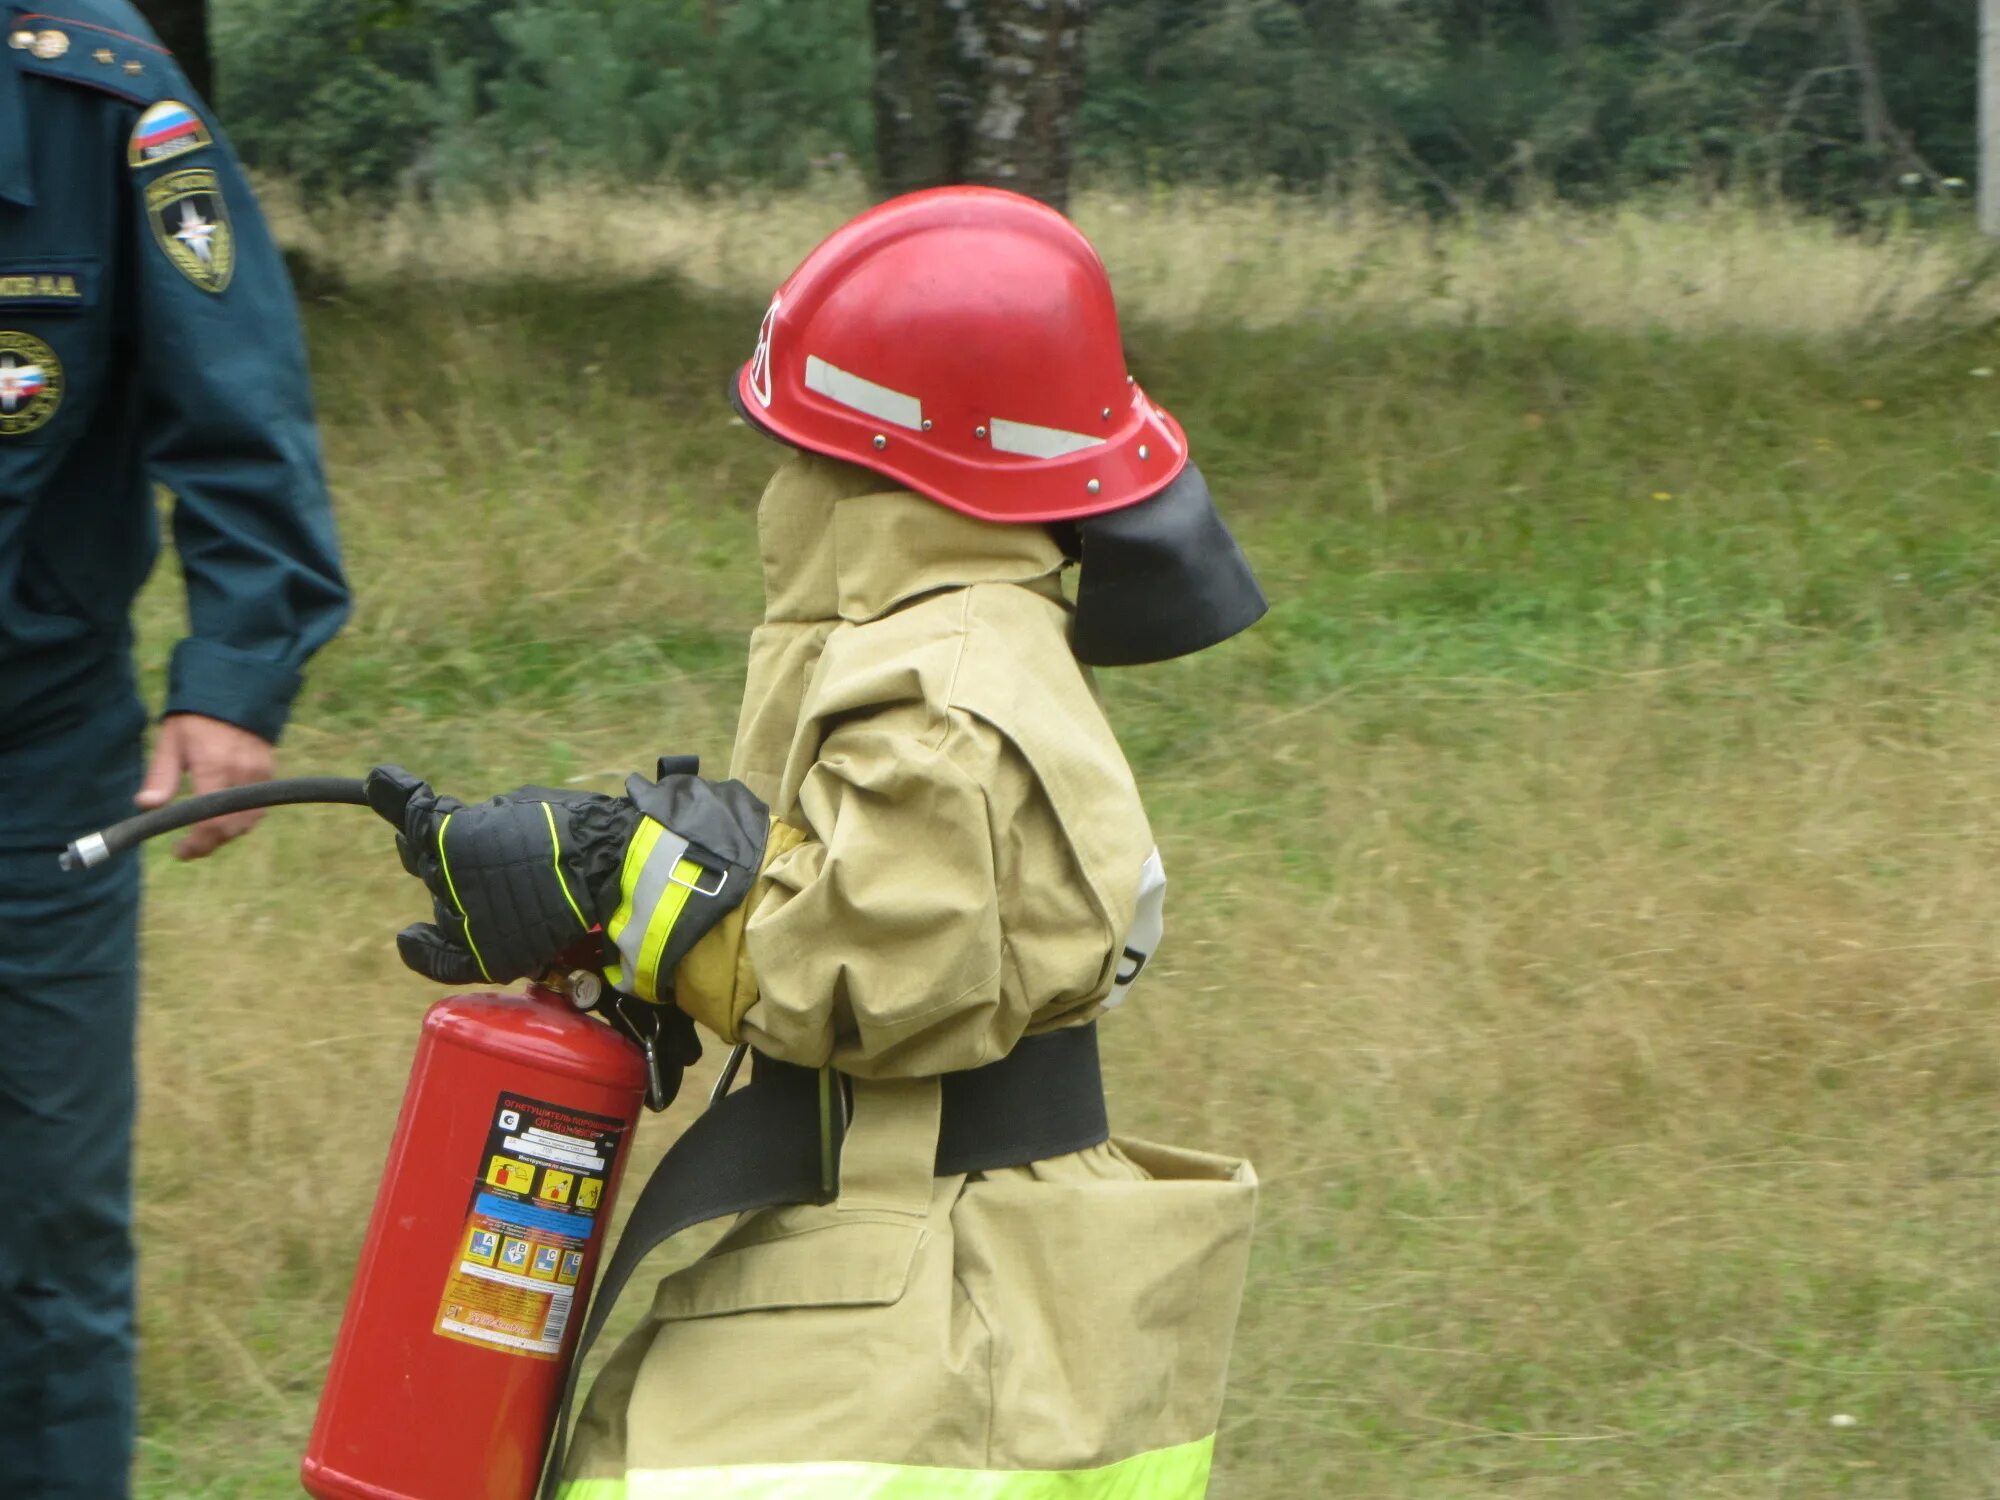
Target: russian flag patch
x=166 y=130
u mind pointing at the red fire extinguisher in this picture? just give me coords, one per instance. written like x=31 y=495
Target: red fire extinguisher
x=480 y=1255
x=514 y=1135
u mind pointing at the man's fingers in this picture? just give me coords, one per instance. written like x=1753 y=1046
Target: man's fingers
x=163 y=775
x=430 y=953
x=224 y=767
x=205 y=838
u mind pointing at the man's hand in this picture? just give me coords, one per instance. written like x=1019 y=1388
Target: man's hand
x=212 y=755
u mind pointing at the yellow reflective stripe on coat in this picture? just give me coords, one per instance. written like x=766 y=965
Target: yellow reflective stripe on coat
x=592 y=1489
x=654 y=885
x=1179 y=1473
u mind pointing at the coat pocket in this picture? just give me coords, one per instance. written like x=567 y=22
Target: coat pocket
x=53 y=347
x=811 y=1334
x=796 y=1258
x=1113 y=1298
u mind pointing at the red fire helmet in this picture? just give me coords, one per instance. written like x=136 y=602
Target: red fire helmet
x=963 y=341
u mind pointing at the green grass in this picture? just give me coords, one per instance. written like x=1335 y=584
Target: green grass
x=1583 y=910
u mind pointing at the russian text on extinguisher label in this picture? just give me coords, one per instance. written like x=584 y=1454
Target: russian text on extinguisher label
x=535 y=1201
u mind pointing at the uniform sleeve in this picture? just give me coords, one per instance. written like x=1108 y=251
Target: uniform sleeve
x=231 y=432
x=875 y=940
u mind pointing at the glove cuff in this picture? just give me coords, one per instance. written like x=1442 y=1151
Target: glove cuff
x=688 y=864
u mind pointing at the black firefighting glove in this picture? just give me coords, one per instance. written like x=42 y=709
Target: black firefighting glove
x=520 y=880
x=516 y=882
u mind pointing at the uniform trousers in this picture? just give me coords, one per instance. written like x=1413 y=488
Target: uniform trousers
x=68 y=1001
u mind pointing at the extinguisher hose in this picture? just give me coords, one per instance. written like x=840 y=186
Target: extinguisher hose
x=94 y=849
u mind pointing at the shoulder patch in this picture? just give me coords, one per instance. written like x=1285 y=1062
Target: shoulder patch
x=166 y=130
x=191 y=226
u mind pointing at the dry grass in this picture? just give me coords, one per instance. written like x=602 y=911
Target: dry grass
x=1252 y=259
x=1582 y=906
x=1623 y=1136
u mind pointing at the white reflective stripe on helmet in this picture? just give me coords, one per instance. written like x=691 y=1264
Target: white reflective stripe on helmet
x=1149 y=926
x=864 y=396
x=1030 y=441
x=760 y=362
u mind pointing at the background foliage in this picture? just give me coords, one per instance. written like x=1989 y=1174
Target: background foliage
x=1442 y=102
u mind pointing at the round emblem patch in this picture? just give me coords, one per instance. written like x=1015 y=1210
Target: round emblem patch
x=31 y=384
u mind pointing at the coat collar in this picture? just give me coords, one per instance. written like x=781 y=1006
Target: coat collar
x=837 y=544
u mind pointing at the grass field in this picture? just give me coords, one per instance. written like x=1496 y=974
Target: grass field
x=1583 y=885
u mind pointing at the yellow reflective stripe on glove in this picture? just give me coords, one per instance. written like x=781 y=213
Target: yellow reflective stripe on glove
x=1179 y=1473
x=451 y=884
x=444 y=864
x=555 y=858
x=653 y=888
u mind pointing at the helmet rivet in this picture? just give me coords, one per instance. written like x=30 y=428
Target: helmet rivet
x=927 y=424
x=1131 y=379
x=880 y=441
x=1093 y=486
x=1107 y=414
x=1144 y=451
x=980 y=433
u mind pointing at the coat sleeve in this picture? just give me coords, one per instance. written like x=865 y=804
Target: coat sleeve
x=877 y=938
x=230 y=431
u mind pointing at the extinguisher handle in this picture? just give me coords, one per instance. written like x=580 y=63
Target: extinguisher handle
x=666 y=1035
x=93 y=849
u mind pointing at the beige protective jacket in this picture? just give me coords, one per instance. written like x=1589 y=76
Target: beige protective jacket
x=959 y=858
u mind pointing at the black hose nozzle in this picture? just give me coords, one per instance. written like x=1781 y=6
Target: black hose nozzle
x=93 y=849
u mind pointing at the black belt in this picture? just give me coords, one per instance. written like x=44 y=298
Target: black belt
x=777 y=1141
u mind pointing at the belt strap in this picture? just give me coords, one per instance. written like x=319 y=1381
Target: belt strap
x=777 y=1141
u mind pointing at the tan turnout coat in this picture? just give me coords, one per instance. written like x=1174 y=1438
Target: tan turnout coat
x=957 y=859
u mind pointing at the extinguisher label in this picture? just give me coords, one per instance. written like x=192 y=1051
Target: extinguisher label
x=533 y=1216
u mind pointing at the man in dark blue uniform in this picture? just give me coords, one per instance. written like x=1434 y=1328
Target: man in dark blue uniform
x=147 y=333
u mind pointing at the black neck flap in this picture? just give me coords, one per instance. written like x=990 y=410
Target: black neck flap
x=1160 y=579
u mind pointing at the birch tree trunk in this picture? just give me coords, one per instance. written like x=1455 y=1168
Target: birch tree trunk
x=1989 y=116
x=982 y=91
x=183 y=28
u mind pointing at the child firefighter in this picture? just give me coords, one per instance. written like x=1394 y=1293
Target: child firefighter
x=928 y=878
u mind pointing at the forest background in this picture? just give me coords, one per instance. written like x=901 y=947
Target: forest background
x=1840 y=105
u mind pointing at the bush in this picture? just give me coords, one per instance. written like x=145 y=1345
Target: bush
x=458 y=95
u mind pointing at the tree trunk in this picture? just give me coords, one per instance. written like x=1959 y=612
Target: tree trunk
x=1567 y=26
x=1878 y=130
x=1989 y=116
x=981 y=91
x=1031 y=82
x=183 y=27
x=922 y=93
